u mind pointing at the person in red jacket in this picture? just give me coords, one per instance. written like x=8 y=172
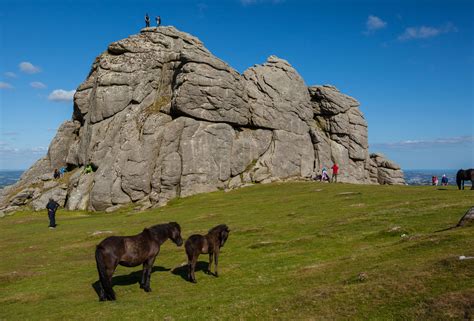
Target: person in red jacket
x=335 y=170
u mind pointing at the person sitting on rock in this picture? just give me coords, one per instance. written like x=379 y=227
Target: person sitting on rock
x=52 y=206
x=56 y=174
x=158 y=21
x=88 y=169
x=147 y=20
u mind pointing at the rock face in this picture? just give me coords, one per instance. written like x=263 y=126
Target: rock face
x=160 y=117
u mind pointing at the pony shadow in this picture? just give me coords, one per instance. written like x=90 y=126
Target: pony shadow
x=182 y=271
x=129 y=279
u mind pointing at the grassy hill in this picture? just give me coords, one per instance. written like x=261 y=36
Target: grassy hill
x=299 y=251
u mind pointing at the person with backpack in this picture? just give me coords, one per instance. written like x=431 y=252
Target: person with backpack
x=444 y=180
x=52 y=206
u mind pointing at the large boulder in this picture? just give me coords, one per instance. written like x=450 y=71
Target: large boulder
x=160 y=117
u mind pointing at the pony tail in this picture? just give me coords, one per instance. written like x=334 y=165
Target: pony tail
x=104 y=280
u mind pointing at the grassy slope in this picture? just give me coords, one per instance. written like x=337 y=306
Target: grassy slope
x=295 y=252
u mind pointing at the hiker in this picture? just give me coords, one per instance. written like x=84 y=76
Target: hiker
x=62 y=170
x=444 y=180
x=158 y=21
x=52 y=206
x=147 y=20
x=335 y=170
x=88 y=169
x=324 y=175
x=56 y=174
x=434 y=180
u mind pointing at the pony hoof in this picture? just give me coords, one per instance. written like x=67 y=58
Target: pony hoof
x=147 y=289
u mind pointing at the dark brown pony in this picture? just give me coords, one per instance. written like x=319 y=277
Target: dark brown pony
x=465 y=175
x=208 y=244
x=132 y=251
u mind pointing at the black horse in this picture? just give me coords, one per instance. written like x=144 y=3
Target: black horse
x=132 y=251
x=465 y=175
x=210 y=243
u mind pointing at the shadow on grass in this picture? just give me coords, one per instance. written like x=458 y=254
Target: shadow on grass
x=182 y=271
x=129 y=279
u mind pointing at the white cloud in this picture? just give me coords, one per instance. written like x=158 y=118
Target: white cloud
x=6 y=148
x=373 y=24
x=37 y=85
x=10 y=74
x=425 y=32
x=61 y=95
x=29 y=68
x=428 y=143
x=5 y=85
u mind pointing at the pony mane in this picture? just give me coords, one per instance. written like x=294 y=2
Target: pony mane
x=218 y=229
x=163 y=228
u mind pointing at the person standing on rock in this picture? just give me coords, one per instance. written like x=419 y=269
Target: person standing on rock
x=147 y=20
x=52 y=206
x=158 y=21
x=335 y=171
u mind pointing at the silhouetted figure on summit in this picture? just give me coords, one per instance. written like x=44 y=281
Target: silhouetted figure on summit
x=147 y=20
x=158 y=21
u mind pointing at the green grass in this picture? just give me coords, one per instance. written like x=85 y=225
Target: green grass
x=295 y=252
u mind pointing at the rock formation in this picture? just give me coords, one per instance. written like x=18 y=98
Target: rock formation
x=160 y=117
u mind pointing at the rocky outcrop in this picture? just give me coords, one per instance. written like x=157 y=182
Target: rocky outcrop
x=160 y=117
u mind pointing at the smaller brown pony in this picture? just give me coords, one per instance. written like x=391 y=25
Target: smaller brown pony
x=132 y=251
x=208 y=244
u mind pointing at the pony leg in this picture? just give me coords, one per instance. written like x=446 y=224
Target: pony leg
x=216 y=274
x=193 y=268
x=147 y=273
x=111 y=293
x=142 y=282
x=209 y=267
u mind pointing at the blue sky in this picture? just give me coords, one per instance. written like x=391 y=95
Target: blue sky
x=409 y=63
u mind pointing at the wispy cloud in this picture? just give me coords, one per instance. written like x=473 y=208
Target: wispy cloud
x=10 y=133
x=37 y=85
x=253 y=2
x=425 y=32
x=10 y=74
x=202 y=7
x=29 y=68
x=5 y=85
x=61 y=95
x=7 y=149
x=427 y=143
x=373 y=24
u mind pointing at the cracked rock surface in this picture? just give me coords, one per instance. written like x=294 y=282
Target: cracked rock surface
x=160 y=117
